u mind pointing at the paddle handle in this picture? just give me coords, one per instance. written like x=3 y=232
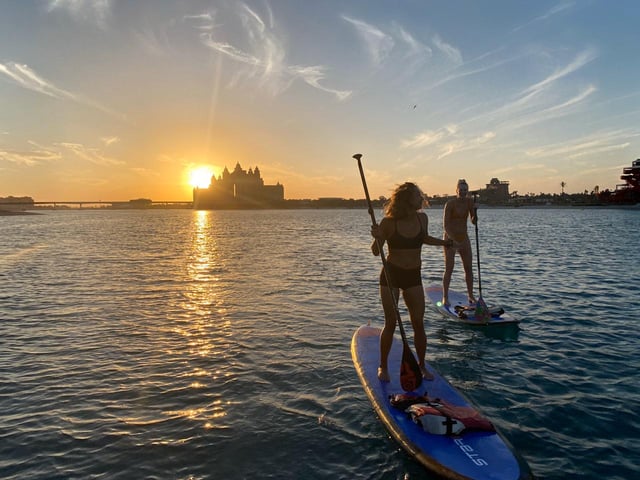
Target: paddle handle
x=358 y=157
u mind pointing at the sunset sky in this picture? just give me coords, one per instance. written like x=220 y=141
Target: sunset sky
x=122 y=99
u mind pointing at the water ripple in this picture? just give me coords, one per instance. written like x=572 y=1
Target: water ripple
x=166 y=344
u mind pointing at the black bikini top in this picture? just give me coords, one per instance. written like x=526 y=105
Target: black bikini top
x=397 y=241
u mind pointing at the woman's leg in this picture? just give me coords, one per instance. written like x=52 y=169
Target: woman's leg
x=414 y=299
x=386 y=337
x=449 y=262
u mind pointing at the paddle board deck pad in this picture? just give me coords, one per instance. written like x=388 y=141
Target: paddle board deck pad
x=460 y=309
x=470 y=454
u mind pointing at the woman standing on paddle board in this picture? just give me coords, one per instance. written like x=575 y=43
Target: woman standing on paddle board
x=456 y=212
x=405 y=227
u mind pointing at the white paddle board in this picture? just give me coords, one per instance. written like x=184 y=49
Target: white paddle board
x=460 y=309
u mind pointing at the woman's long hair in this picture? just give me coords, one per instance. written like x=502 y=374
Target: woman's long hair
x=400 y=204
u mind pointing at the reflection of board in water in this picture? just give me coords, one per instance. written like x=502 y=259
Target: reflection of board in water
x=460 y=309
x=473 y=454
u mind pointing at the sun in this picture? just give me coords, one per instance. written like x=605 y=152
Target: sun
x=200 y=177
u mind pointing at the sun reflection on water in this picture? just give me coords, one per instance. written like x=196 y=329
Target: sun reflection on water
x=204 y=327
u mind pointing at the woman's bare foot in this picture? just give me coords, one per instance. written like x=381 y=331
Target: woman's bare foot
x=383 y=375
x=445 y=302
x=425 y=373
x=472 y=301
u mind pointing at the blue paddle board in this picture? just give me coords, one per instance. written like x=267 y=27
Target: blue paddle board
x=460 y=309
x=472 y=454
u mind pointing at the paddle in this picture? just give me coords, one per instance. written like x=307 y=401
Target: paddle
x=482 y=312
x=410 y=374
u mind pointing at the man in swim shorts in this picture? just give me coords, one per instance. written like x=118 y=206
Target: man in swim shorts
x=456 y=212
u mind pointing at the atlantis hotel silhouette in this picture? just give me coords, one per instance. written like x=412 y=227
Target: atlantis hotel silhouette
x=238 y=189
x=241 y=190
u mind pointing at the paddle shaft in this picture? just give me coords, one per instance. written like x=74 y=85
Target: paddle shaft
x=382 y=257
x=477 y=248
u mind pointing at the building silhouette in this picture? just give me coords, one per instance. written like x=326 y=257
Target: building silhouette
x=238 y=189
x=16 y=203
x=627 y=193
x=496 y=192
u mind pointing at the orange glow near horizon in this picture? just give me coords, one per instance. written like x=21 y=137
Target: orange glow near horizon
x=200 y=176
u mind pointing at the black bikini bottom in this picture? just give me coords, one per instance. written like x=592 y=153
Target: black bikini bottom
x=402 y=278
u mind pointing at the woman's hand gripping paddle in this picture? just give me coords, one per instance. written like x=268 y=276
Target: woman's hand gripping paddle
x=481 y=313
x=410 y=374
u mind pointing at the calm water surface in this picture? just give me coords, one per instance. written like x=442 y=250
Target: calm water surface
x=214 y=345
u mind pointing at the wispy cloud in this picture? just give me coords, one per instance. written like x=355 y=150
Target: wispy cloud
x=447 y=141
x=377 y=43
x=423 y=139
x=469 y=69
x=522 y=167
x=415 y=48
x=429 y=137
x=89 y=154
x=154 y=41
x=596 y=143
x=582 y=59
x=34 y=155
x=203 y=22
x=266 y=54
x=97 y=12
x=555 y=111
x=397 y=42
x=553 y=11
x=463 y=144
x=449 y=51
x=530 y=106
x=25 y=77
x=108 y=141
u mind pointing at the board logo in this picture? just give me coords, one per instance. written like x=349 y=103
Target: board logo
x=470 y=452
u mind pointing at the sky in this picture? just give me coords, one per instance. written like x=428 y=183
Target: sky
x=121 y=99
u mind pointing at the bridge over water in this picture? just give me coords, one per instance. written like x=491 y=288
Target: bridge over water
x=105 y=204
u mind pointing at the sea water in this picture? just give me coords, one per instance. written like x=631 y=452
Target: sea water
x=216 y=345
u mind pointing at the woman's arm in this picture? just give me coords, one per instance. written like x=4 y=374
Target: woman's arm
x=374 y=247
x=429 y=240
x=379 y=236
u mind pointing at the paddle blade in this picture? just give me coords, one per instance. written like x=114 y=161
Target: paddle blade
x=410 y=374
x=482 y=313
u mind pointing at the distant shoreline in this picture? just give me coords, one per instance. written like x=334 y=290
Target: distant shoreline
x=6 y=213
x=376 y=205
